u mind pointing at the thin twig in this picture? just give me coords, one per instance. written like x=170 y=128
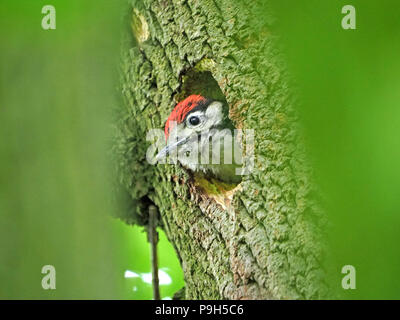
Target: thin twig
x=153 y=239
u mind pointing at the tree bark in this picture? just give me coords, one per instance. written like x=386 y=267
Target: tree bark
x=263 y=239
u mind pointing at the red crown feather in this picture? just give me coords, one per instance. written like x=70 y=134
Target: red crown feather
x=182 y=109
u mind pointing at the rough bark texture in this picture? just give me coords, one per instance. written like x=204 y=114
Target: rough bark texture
x=265 y=243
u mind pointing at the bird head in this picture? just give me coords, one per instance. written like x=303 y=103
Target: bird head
x=196 y=127
x=191 y=118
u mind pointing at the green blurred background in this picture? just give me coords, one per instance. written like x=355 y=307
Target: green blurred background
x=57 y=89
x=349 y=86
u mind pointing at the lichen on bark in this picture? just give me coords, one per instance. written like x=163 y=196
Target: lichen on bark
x=266 y=243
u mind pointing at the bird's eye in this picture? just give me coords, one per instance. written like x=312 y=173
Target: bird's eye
x=194 y=121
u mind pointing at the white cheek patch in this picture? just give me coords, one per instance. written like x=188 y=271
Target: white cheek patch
x=214 y=113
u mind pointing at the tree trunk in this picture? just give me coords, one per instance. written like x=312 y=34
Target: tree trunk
x=261 y=240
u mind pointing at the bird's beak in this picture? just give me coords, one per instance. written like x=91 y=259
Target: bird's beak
x=170 y=148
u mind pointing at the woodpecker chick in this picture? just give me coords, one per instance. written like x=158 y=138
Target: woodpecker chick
x=200 y=136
